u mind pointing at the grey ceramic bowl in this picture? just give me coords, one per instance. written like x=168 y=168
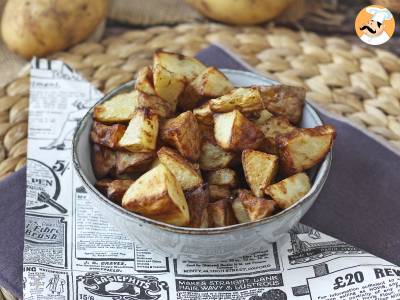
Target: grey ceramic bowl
x=198 y=244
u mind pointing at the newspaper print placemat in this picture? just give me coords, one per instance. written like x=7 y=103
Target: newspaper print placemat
x=71 y=252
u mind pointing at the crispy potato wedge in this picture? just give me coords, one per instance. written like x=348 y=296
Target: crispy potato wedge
x=114 y=189
x=182 y=132
x=290 y=190
x=185 y=173
x=210 y=83
x=197 y=201
x=218 y=192
x=157 y=105
x=120 y=108
x=144 y=81
x=204 y=114
x=284 y=100
x=158 y=195
x=235 y=132
x=117 y=189
x=220 y=214
x=107 y=135
x=242 y=99
x=130 y=162
x=103 y=161
x=259 y=169
x=186 y=68
x=226 y=177
x=303 y=148
x=247 y=207
x=260 y=117
x=142 y=131
x=207 y=133
x=213 y=157
x=167 y=85
x=272 y=128
x=103 y=184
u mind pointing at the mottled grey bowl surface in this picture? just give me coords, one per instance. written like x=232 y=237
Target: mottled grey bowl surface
x=208 y=244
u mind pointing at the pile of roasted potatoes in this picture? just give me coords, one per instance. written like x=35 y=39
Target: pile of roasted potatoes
x=187 y=148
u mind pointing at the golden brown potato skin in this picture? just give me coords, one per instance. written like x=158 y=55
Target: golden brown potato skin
x=218 y=192
x=183 y=133
x=259 y=169
x=220 y=214
x=256 y=208
x=128 y=162
x=225 y=176
x=144 y=81
x=114 y=189
x=103 y=161
x=186 y=173
x=197 y=201
x=293 y=161
x=289 y=190
x=272 y=128
x=284 y=100
x=158 y=195
x=107 y=135
x=244 y=134
x=39 y=27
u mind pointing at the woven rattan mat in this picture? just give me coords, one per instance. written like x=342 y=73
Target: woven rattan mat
x=362 y=85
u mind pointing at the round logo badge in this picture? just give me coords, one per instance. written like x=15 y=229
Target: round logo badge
x=375 y=25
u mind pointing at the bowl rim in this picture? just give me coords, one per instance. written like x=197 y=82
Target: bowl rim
x=315 y=188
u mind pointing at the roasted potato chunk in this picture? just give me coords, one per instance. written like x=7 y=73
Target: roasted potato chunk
x=197 y=201
x=290 y=190
x=186 y=68
x=242 y=99
x=209 y=84
x=259 y=169
x=114 y=189
x=158 y=195
x=272 y=128
x=167 y=85
x=129 y=162
x=117 y=189
x=218 y=192
x=220 y=214
x=103 y=161
x=235 y=132
x=225 y=177
x=260 y=117
x=183 y=170
x=204 y=114
x=103 y=184
x=303 y=148
x=107 y=135
x=284 y=100
x=183 y=134
x=144 y=81
x=120 y=108
x=142 y=131
x=157 y=105
x=213 y=157
x=247 y=207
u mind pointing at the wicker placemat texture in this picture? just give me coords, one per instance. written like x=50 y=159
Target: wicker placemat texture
x=360 y=84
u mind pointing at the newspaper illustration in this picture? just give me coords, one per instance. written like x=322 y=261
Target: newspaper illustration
x=72 y=252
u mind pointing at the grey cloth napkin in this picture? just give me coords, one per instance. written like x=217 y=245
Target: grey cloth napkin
x=359 y=204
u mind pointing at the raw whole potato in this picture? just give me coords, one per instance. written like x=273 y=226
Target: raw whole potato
x=240 y=11
x=37 y=28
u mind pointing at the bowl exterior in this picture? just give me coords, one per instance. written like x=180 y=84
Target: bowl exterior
x=207 y=245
